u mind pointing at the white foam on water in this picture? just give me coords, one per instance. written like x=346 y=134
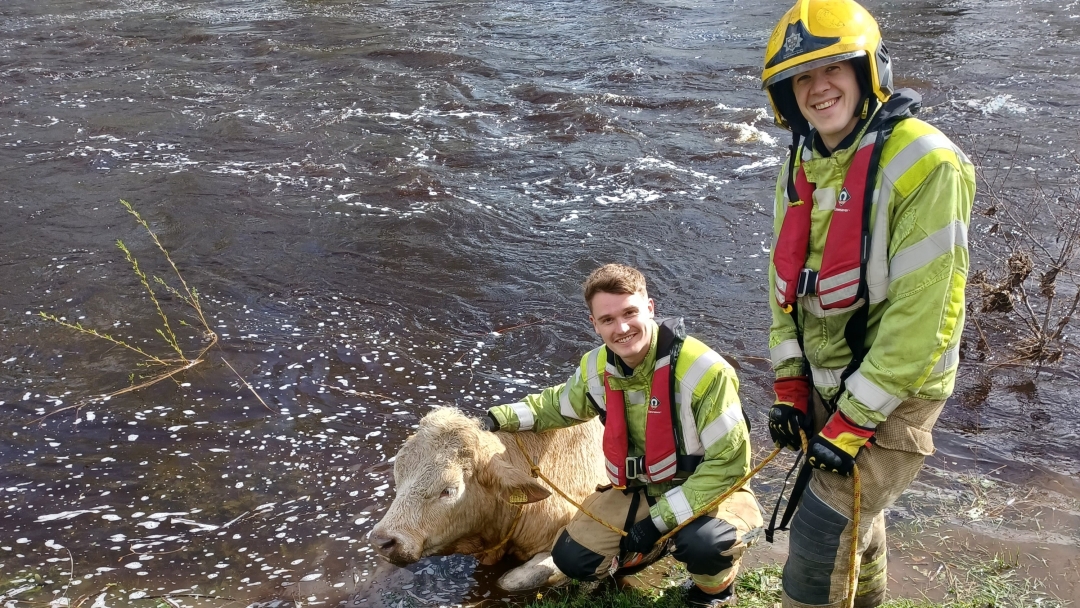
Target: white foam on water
x=771 y=161
x=748 y=134
x=66 y=515
x=995 y=104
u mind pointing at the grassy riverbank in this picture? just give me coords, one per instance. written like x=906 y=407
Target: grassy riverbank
x=991 y=584
x=959 y=537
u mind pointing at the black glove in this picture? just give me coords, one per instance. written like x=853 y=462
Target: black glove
x=489 y=423
x=837 y=445
x=641 y=537
x=790 y=412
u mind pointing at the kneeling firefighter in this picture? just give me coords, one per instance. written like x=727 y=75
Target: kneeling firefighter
x=675 y=439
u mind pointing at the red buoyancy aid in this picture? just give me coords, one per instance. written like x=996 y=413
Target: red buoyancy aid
x=841 y=267
x=661 y=455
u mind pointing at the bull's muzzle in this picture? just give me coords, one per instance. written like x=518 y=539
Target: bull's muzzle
x=391 y=547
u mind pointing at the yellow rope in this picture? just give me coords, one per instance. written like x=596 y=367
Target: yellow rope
x=857 y=499
x=853 y=565
x=853 y=554
x=536 y=472
x=506 y=539
x=719 y=499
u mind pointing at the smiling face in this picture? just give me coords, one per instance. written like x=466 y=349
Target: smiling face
x=624 y=322
x=828 y=97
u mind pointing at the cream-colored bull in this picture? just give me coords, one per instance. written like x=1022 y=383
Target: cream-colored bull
x=454 y=482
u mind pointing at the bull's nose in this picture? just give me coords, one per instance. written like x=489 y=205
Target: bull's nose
x=383 y=544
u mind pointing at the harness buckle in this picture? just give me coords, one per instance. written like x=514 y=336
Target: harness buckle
x=635 y=466
x=807 y=283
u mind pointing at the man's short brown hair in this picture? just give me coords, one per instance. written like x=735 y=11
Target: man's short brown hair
x=613 y=278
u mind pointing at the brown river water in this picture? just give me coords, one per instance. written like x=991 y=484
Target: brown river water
x=389 y=205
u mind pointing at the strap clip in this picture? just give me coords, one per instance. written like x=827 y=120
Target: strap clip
x=635 y=466
x=807 y=283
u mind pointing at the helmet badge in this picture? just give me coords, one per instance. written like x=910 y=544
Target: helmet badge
x=793 y=42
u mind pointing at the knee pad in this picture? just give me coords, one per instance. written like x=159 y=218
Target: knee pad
x=812 y=548
x=702 y=543
x=574 y=560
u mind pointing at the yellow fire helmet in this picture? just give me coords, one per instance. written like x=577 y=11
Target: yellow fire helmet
x=816 y=33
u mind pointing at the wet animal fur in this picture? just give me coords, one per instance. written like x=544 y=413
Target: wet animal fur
x=450 y=453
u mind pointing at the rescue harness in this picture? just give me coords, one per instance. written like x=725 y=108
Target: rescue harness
x=843 y=260
x=662 y=459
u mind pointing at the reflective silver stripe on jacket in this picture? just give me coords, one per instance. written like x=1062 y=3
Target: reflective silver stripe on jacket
x=830 y=378
x=812 y=306
x=566 y=408
x=662 y=362
x=680 y=505
x=595 y=379
x=872 y=395
x=929 y=249
x=662 y=468
x=850 y=281
x=526 y=421
x=684 y=397
x=949 y=359
x=878 y=267
x=660 y=524
x=788 y=349
x=824 y=377
x=612 y=472
x=726 y=422
x=781 y=287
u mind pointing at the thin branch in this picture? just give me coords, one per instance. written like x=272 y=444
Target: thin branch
x=168 y=334
x=93 y=332
x=249 y=387
x=193 y=296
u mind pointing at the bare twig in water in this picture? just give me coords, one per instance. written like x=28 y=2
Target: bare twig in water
x=503 y=330
x=248 y=385
x=185 y=294
x=349 y=391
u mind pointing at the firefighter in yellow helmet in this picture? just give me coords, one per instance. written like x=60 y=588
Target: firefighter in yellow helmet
x=866 y=281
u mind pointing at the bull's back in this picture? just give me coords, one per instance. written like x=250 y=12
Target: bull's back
x=572 y=458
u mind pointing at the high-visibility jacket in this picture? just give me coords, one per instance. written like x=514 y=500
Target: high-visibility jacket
x=916 y=274
x=710 y=421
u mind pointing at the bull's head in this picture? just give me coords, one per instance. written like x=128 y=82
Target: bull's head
x=453 y=482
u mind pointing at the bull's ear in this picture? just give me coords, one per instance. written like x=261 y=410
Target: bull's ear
x=513 y=484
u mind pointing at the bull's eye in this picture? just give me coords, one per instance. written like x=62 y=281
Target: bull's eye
x=448 y=493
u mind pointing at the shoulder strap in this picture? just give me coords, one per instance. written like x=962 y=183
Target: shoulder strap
x=855 y=329
x=670 y=339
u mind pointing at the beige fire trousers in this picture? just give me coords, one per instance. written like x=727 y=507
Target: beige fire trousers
x=819 y=545
x=711 y=546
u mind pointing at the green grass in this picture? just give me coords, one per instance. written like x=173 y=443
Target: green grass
x=992 y=584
